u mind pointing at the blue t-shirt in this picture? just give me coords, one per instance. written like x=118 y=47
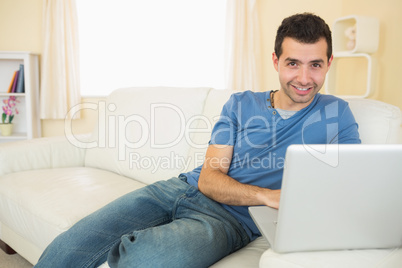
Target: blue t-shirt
x=260 y=137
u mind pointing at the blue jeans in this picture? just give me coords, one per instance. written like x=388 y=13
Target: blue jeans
x=166 y=224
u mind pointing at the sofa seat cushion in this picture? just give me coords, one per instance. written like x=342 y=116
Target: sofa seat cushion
x=30 y=201
x=386 y=258
x=249 y=256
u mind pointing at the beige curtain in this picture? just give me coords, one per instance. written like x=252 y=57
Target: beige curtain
x=243 y=48
x=60 y=84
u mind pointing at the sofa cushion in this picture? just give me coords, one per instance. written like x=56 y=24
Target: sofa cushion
x=144 y=132
x=249 y=256
x=379 y=122
x=199 y=139
x=40 y=153
x=380 y=258
x=30 y=201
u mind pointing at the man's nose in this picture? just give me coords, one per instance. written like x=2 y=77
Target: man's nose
x=303 y=76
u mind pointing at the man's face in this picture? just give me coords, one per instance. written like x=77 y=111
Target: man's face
x=302 y=69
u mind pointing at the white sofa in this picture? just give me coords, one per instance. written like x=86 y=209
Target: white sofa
x=144 y=135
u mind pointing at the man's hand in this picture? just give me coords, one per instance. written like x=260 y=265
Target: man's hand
x=272 y=198
x=217 y=185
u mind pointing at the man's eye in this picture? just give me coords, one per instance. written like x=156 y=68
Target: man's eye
x=316 y=65
x=292 y=63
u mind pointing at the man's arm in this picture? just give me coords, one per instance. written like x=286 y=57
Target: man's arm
x=217 y=185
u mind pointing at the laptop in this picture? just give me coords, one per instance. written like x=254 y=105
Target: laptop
x=336 y=197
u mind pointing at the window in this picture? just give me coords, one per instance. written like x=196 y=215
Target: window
x=126 y=43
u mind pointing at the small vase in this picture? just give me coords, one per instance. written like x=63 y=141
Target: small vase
x=6 y=129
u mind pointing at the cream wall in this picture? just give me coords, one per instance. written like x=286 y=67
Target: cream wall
x=21 y=29
x=21 y=25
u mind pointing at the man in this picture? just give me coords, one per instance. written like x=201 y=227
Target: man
x=201 y=216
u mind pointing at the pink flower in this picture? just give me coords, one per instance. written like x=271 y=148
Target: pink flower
x=8 y=109
x=11 y=103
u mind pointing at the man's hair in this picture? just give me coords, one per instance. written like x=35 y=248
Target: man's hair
x=305 y=28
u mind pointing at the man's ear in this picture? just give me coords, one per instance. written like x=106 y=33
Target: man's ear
x=330 y=61
x=275 y=61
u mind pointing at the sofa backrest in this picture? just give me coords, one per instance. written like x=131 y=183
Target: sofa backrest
x=378 y=122
x=200 y=138
x=144 y=132
x=151 y=134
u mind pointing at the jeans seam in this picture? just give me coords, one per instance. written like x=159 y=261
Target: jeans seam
x=100 y=253
x=176 y=205
x=190 y=189
x=163 y=220
x=107 y=248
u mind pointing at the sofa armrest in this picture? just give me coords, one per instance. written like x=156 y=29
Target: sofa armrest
x=40 y=153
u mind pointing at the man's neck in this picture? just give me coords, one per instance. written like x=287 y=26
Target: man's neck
x=282 y=101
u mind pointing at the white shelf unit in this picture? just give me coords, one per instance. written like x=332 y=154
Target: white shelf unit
x=366 y=42
x=367 y=34
x=330 y=81
x=27 y=123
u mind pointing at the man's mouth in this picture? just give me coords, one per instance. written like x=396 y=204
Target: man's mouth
x=302 y=88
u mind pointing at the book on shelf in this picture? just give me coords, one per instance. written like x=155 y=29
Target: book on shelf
x=20 y=88
x=15 y=82
x=10 y=87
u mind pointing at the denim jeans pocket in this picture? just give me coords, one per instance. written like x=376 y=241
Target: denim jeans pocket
x=183 y=178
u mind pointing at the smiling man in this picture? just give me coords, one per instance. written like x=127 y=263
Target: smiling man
x=255 y=125
x=302 y=61
x=201 y=216
x=302 y=69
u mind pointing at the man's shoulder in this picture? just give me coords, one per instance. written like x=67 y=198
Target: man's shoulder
x=249 y=95
x=325 y=99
